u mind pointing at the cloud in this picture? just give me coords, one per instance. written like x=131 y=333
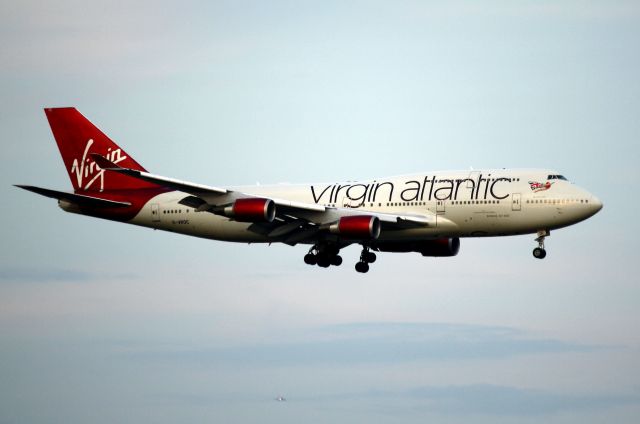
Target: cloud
x=485 y=399
x=72 y=38
x=375 y=343
x=49 y=275
x=144 y=39
x=578 y=11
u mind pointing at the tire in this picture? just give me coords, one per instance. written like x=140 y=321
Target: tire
x=370 y=257
x=539 y=253
x=323 y=261
x=332 y=250
x=336 y=260
x=362 y=267
x=310 y=259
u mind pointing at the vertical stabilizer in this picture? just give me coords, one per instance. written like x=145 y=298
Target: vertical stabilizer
x=77 y=138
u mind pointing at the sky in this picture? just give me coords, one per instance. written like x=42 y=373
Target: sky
x=102 y=322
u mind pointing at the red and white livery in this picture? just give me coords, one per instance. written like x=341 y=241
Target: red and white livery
x=426 y=213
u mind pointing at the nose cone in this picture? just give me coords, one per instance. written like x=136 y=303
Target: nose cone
x=595 y=204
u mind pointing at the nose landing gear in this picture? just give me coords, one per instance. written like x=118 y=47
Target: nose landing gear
x=539 y=252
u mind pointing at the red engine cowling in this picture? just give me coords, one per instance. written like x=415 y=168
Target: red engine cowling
x=440 y=247
x=361 y=227
x=252 y=210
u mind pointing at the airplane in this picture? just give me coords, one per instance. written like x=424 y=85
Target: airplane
x=426 y=213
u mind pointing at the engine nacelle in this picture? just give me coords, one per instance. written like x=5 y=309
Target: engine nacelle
x=252 y=210
x=361 y=227
x=440 y=247
x=437 y=247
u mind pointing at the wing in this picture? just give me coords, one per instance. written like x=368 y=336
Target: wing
x=203 y=196
x=294 y=222
x=199 y=190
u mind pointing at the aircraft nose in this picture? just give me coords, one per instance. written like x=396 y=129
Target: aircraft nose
x=596 y=204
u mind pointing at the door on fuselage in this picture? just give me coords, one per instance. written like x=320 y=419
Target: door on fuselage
x=155 y=212
x=516 y=200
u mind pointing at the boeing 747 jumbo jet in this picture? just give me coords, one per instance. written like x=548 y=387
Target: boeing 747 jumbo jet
x=426 y=213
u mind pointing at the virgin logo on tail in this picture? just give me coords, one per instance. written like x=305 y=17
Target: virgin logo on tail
x=86 y=170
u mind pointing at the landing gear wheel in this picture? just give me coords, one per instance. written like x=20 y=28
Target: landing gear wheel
x=323 y=260
x=366 y=257
x=370 y=257
x=310 y=259
x=324 y=255
x=362 y=267
x=323 y=263
x=539 y=253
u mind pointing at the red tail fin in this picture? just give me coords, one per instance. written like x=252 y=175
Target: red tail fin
x=77 y=138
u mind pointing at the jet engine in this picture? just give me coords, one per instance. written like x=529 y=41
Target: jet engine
x=437 y=247
x=360 y=227
x=252 y=210
x=440 y=247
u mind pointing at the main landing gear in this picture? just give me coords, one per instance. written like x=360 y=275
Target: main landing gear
x=323 y=255
x=366 y=257
x=539 y=252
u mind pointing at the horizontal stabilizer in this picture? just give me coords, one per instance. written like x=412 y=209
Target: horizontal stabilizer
x=79 y=199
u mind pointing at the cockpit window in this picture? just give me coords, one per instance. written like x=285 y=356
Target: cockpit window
x=556 y=177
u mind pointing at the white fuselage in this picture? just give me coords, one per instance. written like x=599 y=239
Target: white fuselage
x=426 y=213
x=461 y=204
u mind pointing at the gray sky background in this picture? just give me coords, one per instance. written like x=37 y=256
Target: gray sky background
x=101 y=322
